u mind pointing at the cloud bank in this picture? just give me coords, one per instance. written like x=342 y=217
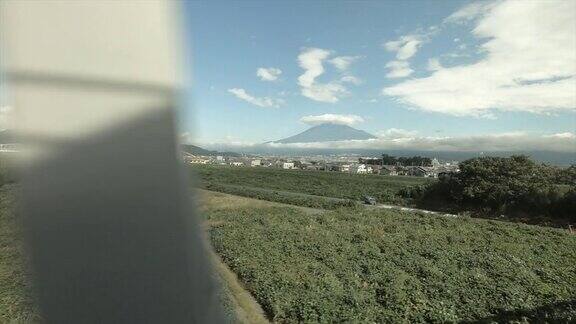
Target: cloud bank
x=394 y=139
x=332 y=119
x=529 y=63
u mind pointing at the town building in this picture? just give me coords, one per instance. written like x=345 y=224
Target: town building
x=288 y=165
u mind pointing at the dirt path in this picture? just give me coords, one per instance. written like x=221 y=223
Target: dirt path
x=408 y=209
x=234 y=199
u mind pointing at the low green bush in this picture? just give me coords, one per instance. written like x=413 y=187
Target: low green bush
x=388 y=266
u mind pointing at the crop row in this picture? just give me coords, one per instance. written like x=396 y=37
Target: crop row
x=388 y=266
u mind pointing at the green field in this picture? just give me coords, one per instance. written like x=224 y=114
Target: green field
x=336 y=262
x=359 y=265
x=329 y=184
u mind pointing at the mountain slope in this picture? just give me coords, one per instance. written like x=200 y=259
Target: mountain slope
x=196 y=150
x=327 y=133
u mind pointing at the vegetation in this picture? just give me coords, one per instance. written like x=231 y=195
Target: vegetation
x=283 y=196
x=511 y=186
x=16 y=302
x=360 y=265
x=405 y=161
x=565 y=176
x=328 y=184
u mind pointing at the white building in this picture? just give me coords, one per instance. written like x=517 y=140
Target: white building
x=237 y=164
x=256 y=163
x=288 y=165
x=197 y=160
x=363 y=169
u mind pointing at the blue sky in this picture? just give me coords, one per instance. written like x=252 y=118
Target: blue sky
x=412 y=72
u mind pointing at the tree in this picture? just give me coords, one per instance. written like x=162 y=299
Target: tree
x=388 y=159
x=566 y=176
x=503 y=184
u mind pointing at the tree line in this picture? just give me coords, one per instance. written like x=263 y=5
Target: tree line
x=402 y=160
x=514 y=186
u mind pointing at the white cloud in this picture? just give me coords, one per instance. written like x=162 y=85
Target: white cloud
x=343 y=62
x=562 y=135
x=405 y=47
x=268 y=74
x=260 y=102
x=396 y=133
x=489 y=142
x=470 y=12
x=332 y=119
x=350 y=79
x=329 y=92
x=434 y=64
x=311 y=60
x=529 y=63
x=398 y=69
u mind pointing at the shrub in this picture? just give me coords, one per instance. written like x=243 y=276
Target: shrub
x=502 y=186
x=566 y=207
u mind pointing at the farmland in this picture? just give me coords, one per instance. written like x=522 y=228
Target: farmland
x=331 y=261
x=360 y=265
x=363 y=265
x=328 y=184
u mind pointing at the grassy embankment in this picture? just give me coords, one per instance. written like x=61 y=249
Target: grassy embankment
x=16 y=302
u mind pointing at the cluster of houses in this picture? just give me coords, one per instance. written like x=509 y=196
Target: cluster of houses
x=437 y=169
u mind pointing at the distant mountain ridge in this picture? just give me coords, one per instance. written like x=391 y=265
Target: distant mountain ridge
x=196 y=150
x=327 y=133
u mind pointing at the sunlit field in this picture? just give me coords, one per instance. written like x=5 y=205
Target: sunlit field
x=288 y=264
x=358 y=265
x=326 y=184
